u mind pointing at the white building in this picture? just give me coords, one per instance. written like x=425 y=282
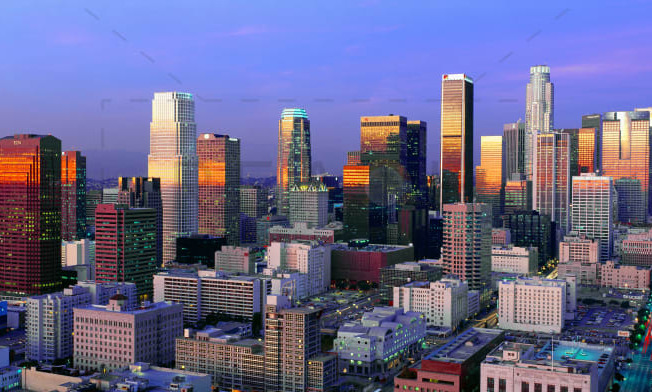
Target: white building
x=77 y=252
x=550 y=366
x=206 y=292
x=592 y=212
x=514 y=259
x=380 y=341
x=237 y=259
x=309 y=203
x=444 y=303
x=49 y=321
x=535 y=304
x=308 y=257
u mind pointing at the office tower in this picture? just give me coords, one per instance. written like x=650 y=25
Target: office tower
x=294 y=155
x=151 y=328
x=353 y=158
x=456 y=139
x=530 y=228
x=416 y=141
x=309 y=203
x=434 y=192
x=306 y=257
x=513 y=149
x=73 y=196
x=626 y=158
x=219 y=186
x=110 y=195
x=552 y=180
x=239 y=259
x=489 y=176
x=535 y=304
x=444 y=303
x=514 y=259
x=518 y=195
x=143 y=192
x=93 y=198
x=397 y=275
x=587 y=154
x=30 y=207
x=466 y=251
x=335 y=193
x=198 y=249
x=173 y=159
x=365 y=204
x=125 y=246
x=253 y=200
x=593 y=210
x=435 y=235
x=594 y=121
x=539 y=112
x=291 y=338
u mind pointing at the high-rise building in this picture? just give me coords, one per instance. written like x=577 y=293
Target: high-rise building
x=466 y=251
x=518 y=195
x=125 y=246
x=456 y=139
x=294 y=155
x=309 y=203
x=489 y=176
x=434 y=191
x=539 y=112
x=530 y=228
x=552 y=180
x=587 y=154
x=173 y=159
x=219 y=186
x=365 y=207
x=399 y=274
x=30 y=207
x=595 y=121
x=93 y=198
x=151 y=331
x=239 y=259
x=416 y=162
x=143 y=192
x=253 y=200
x=353 y=158
x=198 y=249
x=444 y=303
x=592 y=212
x=626 y=158
x=513 y=149
x=307 y=257
x=73 y=196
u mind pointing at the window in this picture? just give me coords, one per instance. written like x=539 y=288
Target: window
x=525 y=387
x=490 y=384
x=551 y=388
x=537 y=387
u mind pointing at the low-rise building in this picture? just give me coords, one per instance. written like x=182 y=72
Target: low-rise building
x=550 y=366
x=239 y=259
x=636 y=249
x=453 y=367
x=380 y=342
x=587 y=274
x=115 y=336
x=10 y=376
x=535 y=304
x=363 y=263
x=620 y=276
x=307 y=257
x=402 y=273
x=514 y=259
x=444 y=303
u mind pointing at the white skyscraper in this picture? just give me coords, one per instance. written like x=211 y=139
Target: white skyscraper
x=173 y=159
x=592 y=212
x=539 y=112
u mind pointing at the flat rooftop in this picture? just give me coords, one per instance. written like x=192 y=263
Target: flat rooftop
x=464 y=346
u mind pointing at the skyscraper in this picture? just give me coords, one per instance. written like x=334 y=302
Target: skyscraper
x=416 y=162
x=595 y=121
x=73 y=196
x=489 y=176
x=253 y=200
x=365 y=204
x=592 y=212
x=93 y=198
x=466 y=250
x=294 y=154
x=219 y=186
x=456 y=139
x=173 y=159
x=518 y=194
x=143 y=192
x=587 y=154
x=539 y=112
x=626 y=158
x=552 y=180
x=125 y=246
x=30 y=207
x=513 y=149
x=309 y=203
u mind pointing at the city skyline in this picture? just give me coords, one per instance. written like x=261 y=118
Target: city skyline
x=111 y=98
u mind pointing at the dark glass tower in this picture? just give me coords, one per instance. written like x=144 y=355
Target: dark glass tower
x=416 y=162
x=73 y=195
x=513 y=149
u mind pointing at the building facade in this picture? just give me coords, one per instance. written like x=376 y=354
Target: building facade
x=294 y=155
x=306 y=257
x=514 y=259
x=593 y=209
x=539 y=112
x=309 y=204
x=399 y=274
x=489 y=179
x=514 y=157
x=73 y=196
x=363 y=263
x=552 y=178
x=301 y=231
x=619 y=276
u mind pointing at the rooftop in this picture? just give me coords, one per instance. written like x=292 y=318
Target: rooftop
x=464 y=345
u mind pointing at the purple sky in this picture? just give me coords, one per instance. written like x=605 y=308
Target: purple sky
x=73 y=68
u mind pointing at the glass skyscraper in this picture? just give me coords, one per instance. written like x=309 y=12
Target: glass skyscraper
x=143 y=192
x=416 y=162
x=173 y=159
x=592 y=211
x=73 y=196
x=513 y=149
x=489 y=176
x=456 y=139
x=30 y=207
x=219 y=186
x=551 y=184
x=539 y=112
x=626 y=158
x=294 y=155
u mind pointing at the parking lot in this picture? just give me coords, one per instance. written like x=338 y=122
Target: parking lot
x=603 y=319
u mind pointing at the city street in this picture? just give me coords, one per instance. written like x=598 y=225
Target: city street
x=638 y=375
